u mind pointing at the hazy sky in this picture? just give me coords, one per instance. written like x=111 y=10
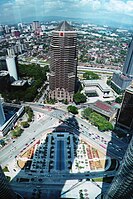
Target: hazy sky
x=115 y=10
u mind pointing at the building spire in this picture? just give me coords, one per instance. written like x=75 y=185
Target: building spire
x=64 y=26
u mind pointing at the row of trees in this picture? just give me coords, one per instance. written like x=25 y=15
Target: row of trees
x=29 y=112
x=19 y=129
x=96 y=119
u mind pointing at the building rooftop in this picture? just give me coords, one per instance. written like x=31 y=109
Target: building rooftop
x=130 y=88
x=19 y=83
x=124 y=77
x=101 y=83
x=64 y=26
x=103 y=108
x=3 y=73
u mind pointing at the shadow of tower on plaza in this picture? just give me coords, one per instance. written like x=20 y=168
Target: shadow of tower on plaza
x=49 y=163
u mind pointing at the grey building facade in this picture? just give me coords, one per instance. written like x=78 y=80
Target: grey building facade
x=128 y=66
x=120 y=82
x=122 y=79
x=63 y=63
x=125 y=116
x=5 y=190
x=122 y=184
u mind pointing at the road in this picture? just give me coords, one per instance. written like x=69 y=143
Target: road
x=111 y=145
x=35 y=130
x=100 y=70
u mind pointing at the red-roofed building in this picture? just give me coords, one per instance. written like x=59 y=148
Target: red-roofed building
x=104 y=109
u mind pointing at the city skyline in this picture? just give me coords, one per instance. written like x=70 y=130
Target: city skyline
x=59 y=114
x=106 y=12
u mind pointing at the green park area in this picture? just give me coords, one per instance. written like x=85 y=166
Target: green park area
x=97 y=120
x=36 y=74
x=89 y=75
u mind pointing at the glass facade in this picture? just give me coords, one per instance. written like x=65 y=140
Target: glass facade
x=125 y=117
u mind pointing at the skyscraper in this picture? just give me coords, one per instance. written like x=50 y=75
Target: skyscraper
x=122 y=79
x=5 y=190
x=2 y=115
x=35 y=25
x=12 y=67
x=122 y=184
x=125 y=116
x=63 y=63
x=128 y=66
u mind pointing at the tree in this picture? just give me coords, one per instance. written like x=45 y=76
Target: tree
x=109 y=81
x=2 y=143
x=72 y=109
x=119 y=99
x=79 y=98
x=25 y=124
x=65 y=102
x=90 y=75
x=29 y=112
x=86 y=113
x=16 y=132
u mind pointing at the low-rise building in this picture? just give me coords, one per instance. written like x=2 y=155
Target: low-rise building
x=12 y=113
x=104 y=109
x=98 y=90
x=19 y=85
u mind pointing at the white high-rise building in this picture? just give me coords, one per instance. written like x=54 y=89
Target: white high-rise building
x=2 y=115
x=7 y=30
x=11 y=66
x=35 y=25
